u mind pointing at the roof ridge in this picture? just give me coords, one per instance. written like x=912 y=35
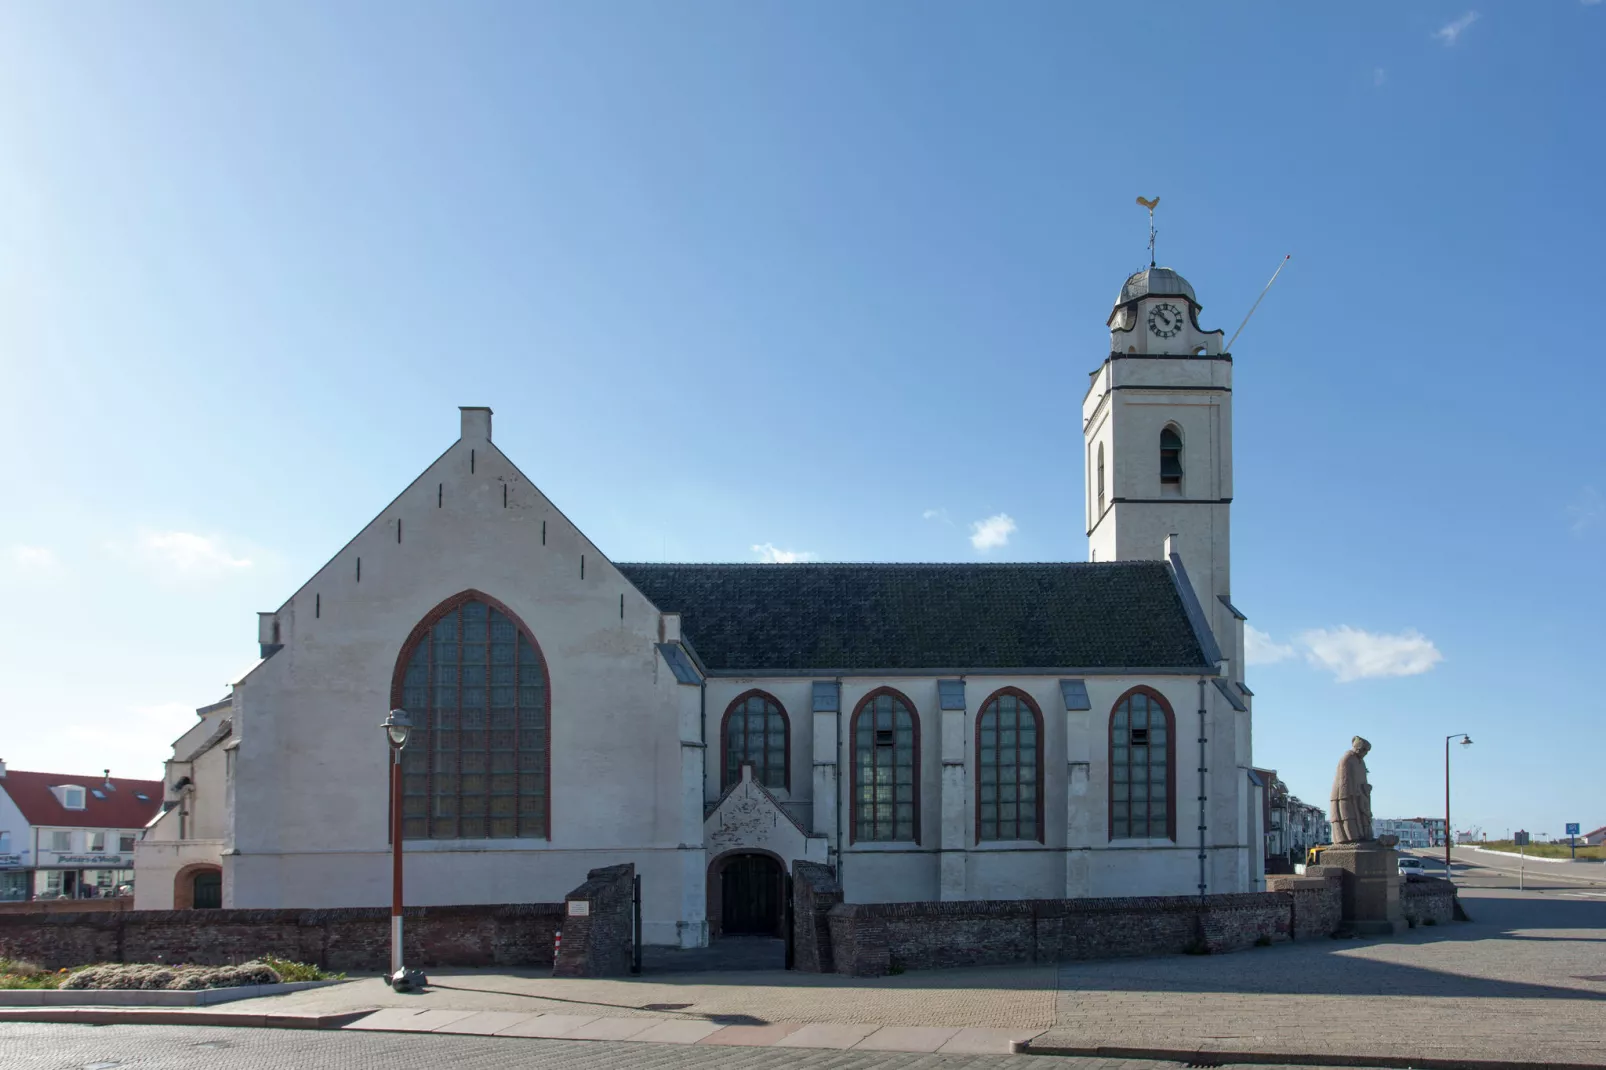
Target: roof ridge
x=886 y=564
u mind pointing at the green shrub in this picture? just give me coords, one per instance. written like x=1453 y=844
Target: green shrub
x=299 y=971
x=171 y=978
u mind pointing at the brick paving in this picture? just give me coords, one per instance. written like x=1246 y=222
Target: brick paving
x=1524 y=981
x=127 y=1047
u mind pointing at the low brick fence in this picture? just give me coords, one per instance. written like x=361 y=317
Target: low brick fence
x=68 y=906
x=599 y=925
x=815 y=892
x=1318 y=903
x=1428 y=900
x=351 y=938
x=869 y=939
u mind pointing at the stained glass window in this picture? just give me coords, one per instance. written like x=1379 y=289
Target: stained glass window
x=475 y=766
x=886 y=769
x=755 y=732
x=1141 y=764
x=1009 y=769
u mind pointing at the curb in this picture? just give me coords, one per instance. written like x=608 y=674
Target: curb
x=153 y=1016
x=161 y=997
x=1221 y=1057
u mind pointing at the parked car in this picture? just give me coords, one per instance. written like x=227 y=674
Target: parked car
x=1409 y=865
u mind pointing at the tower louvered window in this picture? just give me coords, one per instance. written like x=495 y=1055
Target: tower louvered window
x=1170 y=456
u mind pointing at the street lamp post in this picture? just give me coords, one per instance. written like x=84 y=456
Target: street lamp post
x=1449 y=837
x=397 y=727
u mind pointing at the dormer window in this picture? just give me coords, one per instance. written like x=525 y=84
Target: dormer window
x=72 y=797
x=1171 y=457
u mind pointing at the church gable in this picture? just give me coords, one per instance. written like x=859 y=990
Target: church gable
x=748 y=818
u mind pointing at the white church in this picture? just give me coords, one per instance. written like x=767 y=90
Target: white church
x=933 y=731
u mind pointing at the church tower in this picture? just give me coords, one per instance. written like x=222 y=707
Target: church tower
x=1157 y=425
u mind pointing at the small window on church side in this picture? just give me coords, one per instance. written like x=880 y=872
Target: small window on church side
x=1170 y=457
x=1142 y=768
x=1101 y=482
x=886 y=768
x=1009 y=768
x=756 y=734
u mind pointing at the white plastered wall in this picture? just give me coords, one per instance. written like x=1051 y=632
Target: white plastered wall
x=308 y=717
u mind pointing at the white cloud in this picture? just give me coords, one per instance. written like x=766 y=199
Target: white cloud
x=185 y=552
x=1379 y=76
x=1451 y=32
x=1352 y=654
x=939 y=515
x=1589 y=3
x=771 y=554
x=33 y=558
x=1587 y=510
x=993 y=532
x=1262 y=649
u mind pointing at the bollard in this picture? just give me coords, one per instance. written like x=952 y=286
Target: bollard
x=557 y=946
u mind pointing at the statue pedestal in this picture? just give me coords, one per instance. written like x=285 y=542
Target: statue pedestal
x=1371 y=875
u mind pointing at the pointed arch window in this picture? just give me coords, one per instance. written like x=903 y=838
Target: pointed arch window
x=756 y=731
x=478 y=761
x=1101 y=482
x=1170 y=456
x=1143 y=767
x=886 y=768
x=1009 y=768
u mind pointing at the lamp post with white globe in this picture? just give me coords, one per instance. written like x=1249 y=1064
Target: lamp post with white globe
x=398 y=726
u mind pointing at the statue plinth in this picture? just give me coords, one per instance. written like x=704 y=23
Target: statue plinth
x=1371 y=875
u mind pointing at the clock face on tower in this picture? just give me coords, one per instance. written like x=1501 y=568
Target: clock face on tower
x=1165 y=320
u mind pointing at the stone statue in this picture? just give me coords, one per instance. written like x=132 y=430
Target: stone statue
x=1352 y=796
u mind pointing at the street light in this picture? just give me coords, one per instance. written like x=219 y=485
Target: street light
x=398 y=726
x=1449 y=837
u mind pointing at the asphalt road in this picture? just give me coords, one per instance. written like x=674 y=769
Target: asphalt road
x=1487 y=869
x=159 y=1047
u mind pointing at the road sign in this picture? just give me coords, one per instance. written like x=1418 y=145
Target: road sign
x=1572 y=828
x=1521 y=839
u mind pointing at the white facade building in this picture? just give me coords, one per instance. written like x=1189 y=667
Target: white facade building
x=65 y=836
x=964 y=731
x=1412 y=832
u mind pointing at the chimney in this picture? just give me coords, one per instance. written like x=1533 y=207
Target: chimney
x=476 y=423
x=2 y=769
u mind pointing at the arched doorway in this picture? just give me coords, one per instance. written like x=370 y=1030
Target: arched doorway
x=198 y=886
x=750 y=887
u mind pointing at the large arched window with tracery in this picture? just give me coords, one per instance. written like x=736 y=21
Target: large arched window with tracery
x=1143 y=767
x=477 y=763
x=1009 y=768
x=755 y=732
x=886 y=768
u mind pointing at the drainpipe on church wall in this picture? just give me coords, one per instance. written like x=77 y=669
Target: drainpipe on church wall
x=1202 y=796
x=841 y=855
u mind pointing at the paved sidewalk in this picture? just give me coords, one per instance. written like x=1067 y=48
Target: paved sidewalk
x=1524 y=982
x=1016 y=998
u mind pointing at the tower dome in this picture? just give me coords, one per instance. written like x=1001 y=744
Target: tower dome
x=1155 y=282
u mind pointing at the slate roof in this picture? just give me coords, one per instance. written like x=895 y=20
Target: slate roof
x=1105 y=615
x=119 y=809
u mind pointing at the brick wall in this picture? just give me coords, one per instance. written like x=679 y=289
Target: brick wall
x=1318 y=902
x=1427 y=899
x=600 y=941
x=814 y=892
x=869 y=939
x=354 y=938
x=68 y=906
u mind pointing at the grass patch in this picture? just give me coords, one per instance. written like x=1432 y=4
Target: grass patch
x=1544 y=850
x=298 y=971
x=15 y=974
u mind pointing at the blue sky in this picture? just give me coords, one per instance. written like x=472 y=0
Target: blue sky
x=825 y=278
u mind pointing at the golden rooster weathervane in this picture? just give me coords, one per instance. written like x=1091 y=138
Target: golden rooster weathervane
x=1149 y=203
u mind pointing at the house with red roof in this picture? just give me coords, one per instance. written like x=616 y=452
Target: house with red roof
x=1596 y=838
x=70 y=835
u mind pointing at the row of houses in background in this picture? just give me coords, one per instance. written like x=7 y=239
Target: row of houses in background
x=71 y=836
x=1292 y=827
